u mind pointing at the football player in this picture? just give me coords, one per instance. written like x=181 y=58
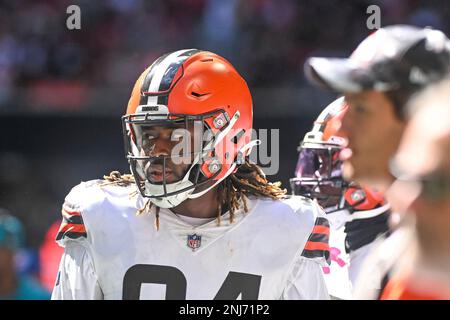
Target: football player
x=196 y=219
x=388 y=68
x=357 y=215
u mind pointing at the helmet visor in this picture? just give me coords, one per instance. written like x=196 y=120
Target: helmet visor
x=167 y=150
x=318 y=175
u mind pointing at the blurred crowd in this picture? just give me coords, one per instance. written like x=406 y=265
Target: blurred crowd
x=20 y=279
x=44 y=66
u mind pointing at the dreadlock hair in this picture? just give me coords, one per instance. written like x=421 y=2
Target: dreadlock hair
x=249 y=179
x=116 y=178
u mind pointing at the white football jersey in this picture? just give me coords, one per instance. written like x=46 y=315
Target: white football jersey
x=337 y=275
x=274 y=251
x=344 y=268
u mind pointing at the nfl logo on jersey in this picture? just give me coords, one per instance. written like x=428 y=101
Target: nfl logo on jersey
x=194 y=241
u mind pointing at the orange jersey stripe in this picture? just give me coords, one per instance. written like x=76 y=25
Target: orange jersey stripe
x=317 y=246
x=72 y=228
x=321 y=230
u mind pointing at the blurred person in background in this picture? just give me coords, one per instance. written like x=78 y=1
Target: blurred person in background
x=15 y=286
x=422 y=189
x=388 y=68
x=357 y=215
x=377 y=80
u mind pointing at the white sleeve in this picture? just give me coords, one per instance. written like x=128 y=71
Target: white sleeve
x=306 y=282
x=76 y=278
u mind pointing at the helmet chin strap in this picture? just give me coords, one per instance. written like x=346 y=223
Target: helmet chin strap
x=170 y=201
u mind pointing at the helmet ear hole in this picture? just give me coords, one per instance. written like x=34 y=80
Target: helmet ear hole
x=196 y=94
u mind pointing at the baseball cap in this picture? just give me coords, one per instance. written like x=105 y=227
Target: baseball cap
x=393 y=57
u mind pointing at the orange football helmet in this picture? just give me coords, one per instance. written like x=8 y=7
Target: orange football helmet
x=318 y=174
x=190 y=89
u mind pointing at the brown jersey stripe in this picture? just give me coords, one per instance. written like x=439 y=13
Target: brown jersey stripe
x=317 y=237
x=322 y=222
x=73 y=217
x=71 y=235
x=72 y=231
x=73 y=220
x=317 y=244
x=317 y=254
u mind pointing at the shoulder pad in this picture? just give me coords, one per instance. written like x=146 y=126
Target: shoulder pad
x=86 y=204
x=317 y=245
x=84 y=195
x=72 y=225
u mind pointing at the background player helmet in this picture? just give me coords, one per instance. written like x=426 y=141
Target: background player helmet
x=318 y=174
x=198 y=89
